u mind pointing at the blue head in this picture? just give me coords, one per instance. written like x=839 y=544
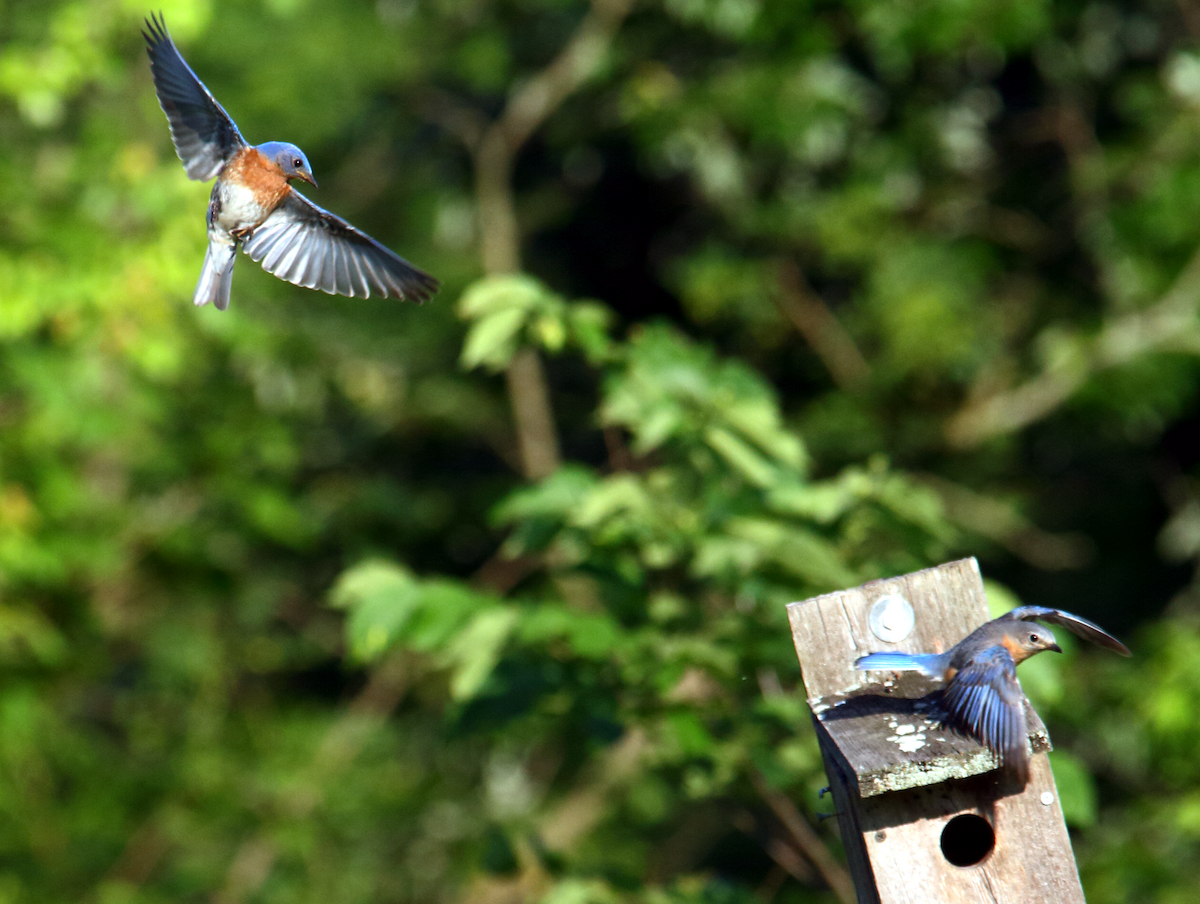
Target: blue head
x=288 y=158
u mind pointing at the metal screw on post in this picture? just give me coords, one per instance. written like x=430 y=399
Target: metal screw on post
x=892 y=618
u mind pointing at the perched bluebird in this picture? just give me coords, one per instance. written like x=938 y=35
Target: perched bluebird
x=253 y=205
x=982 y=695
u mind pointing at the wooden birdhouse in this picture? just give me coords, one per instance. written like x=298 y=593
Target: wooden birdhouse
x=924 y=812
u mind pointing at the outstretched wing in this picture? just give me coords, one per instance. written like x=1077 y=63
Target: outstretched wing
x=204 y=135
x=310 y=247
x=985 y=700
x=1073 y=623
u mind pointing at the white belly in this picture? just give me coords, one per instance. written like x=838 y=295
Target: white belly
x=239 y=211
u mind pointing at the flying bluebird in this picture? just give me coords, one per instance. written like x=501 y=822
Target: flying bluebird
x=982 y=695
x=253 y=205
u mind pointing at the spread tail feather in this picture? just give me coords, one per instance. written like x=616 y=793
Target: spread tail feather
x=216 y=276
x=929 y=665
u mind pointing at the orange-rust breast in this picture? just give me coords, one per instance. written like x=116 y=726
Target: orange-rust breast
x=1019 y=653
x=260 y=175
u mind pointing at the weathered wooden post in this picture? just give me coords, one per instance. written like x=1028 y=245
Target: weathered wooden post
x=924 y=815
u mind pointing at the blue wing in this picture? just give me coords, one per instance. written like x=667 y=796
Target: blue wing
x=1073 y=623
x=204 y=135
x=307 y=246
x=985 y=700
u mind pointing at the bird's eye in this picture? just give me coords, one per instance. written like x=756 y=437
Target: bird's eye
x=1033 y=638
x=298 y=163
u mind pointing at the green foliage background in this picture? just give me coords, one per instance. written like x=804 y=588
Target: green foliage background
x=823 y=292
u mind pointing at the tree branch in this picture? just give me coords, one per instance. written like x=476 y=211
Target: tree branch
x=806 y=839
x=816 y=323
x=541 y=95
x=494 y=154
x=1003 y=524
x=784 y=855
x=1170 y=324
x=529 y=396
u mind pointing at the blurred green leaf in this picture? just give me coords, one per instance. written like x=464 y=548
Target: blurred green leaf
x=499 y=307
x=1076 y=789
x=381 y=598
x=493 y=339
x=477 y=648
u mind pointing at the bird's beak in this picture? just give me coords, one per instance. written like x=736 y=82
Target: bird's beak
x=308 y=177
x=1055 y=647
